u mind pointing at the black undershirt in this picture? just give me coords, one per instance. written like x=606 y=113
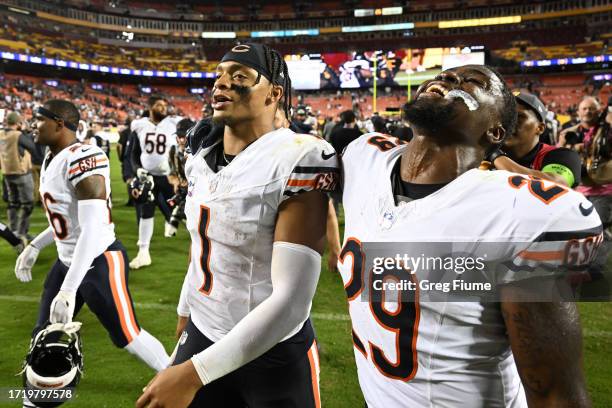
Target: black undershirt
x=404 y=191
x=216 y=160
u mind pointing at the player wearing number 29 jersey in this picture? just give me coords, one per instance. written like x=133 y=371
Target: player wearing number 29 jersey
x=420 y=353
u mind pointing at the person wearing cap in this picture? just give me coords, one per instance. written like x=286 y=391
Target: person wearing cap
x=256 y=212
x=345 y=132
x=300 y=121
x=524 y=153
x=16 y=165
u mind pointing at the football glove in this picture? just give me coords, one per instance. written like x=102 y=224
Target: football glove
x=62 y=307
x=142 y=173
x=25 y=262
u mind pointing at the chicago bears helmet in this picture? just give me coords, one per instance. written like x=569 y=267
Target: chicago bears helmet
x=54 y=361
x=141 y=189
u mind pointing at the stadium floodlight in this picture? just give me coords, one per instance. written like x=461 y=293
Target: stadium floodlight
x=377 y=27
x=473 y=22
x=390 y=11
x=364 y=12
x=218 y=34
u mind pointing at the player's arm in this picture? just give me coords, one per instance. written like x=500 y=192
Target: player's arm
x=333 y=237
x=559 y=174
x=546 y=341
x=299 y=240
x=93 y=214
x=27 y=258
x=136 y=151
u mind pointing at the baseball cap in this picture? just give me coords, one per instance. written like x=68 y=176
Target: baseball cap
x=532 y=102
x=301 y=111
x=13 y=118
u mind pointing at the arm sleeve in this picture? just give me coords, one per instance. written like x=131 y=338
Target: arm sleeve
x=564 y=162
x=43 y=239
x=316 y=169
x=93 y=214
x=295 y=273
x=127 y=171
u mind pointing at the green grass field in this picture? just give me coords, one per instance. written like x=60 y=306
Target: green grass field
x=113 y=378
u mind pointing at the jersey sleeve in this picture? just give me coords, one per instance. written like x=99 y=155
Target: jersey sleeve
x=569 y=243
x=316 y=169
x=85 y=161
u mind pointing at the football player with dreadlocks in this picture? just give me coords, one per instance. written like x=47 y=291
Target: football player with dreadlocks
x=256 y=212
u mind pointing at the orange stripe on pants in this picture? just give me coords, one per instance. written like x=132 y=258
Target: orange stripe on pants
x=313 y=358
x=126 y=293
x=115 y=290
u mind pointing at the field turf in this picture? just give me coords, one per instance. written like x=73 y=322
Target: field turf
x=114 y=378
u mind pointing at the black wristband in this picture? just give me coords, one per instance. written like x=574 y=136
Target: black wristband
x=494 y=154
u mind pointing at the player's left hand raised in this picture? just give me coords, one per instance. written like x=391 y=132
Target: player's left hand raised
x=174 y=387
x=62 y=307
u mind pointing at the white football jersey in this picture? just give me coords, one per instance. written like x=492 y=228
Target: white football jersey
x=155 y=142
x=231 y=217
x=58 y=177
x=445 y=354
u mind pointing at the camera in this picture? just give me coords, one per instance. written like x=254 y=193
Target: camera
x=177 y=204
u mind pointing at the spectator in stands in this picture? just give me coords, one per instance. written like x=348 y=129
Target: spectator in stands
x=16 y=167
x=345 y=132
x=527 y=155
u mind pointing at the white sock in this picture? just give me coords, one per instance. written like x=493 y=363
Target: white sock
x=149 y=350
x=27 y=403
x=145 y=232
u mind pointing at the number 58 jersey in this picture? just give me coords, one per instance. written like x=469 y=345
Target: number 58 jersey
x=231 y=217
x=445 y=354
x=155 y=142
x=59 y=176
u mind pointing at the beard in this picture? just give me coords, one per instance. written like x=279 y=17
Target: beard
x=158 y=117
x=429 y=114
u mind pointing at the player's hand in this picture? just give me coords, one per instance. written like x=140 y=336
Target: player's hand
x=62 y=307
x=180 y=326
x=332 y=260
x=25 y=262
x=174 y=387
x=141 y=173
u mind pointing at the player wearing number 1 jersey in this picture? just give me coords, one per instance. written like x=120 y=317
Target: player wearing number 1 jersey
x=154 y=135
x=256 y=212
x=91 y=266
x=462 y=354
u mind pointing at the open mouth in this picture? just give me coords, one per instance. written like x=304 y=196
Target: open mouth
x=437 y=89
x=220 y=101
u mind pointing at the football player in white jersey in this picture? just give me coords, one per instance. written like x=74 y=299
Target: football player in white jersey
x=91 y=266
x=154 y=135
x=256 y=211
x=462 y=354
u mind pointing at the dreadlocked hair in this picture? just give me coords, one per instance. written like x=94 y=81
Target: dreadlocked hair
x=280 y=76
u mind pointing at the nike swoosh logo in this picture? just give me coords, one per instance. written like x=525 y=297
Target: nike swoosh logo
x=84 y=150
x=586 y=211
x=327 y=156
